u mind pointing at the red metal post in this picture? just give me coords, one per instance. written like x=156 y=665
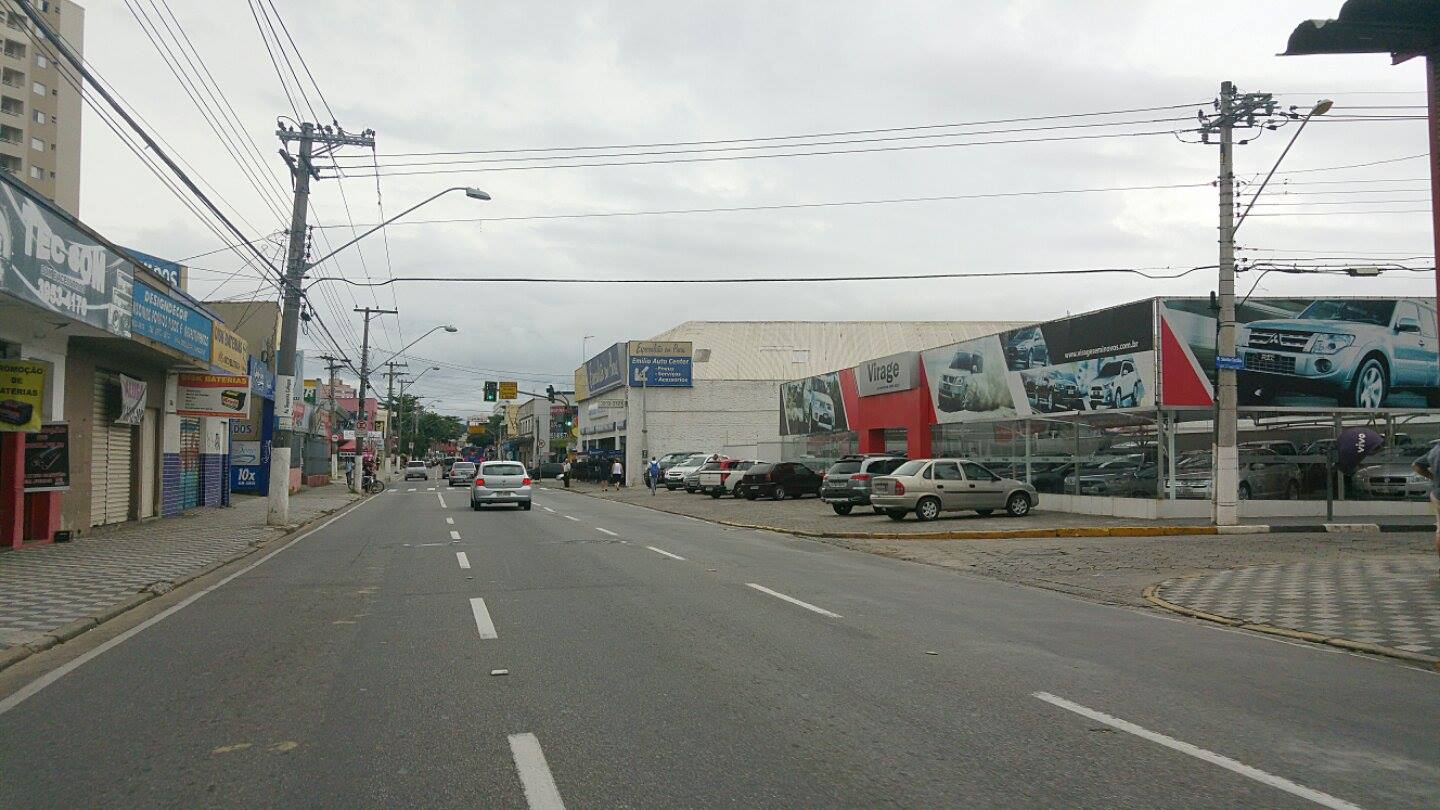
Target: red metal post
x=12 y=489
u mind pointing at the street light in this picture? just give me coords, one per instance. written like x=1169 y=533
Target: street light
x=447 y=327
x=1321 y=107
x=472 y=193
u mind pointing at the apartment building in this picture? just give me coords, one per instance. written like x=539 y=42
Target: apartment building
x=40 y=107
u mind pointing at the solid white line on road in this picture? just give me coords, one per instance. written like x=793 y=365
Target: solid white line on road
x=792 y=600
x=548 y=509
x=442 y=500
x=666 y=553
x=430 y=489
x=1322 y=799
x=450 y=521
x=540 y=790
x=454 y=535
x=30 y=689
x=577 y=520
x=463 y=559
x=411 y=489
x=606 y=531
x=482 y=619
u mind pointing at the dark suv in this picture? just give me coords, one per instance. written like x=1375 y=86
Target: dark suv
x=788 y=479
x=846 y=484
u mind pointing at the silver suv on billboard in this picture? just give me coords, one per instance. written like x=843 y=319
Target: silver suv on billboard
x=1116 y=384
x=1357 y=350
x=955 y=393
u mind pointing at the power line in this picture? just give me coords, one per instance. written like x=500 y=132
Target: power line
x=788 y=206
x=1145 y=272
x=873 y=149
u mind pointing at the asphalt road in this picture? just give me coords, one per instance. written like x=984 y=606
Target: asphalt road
x=656 y=661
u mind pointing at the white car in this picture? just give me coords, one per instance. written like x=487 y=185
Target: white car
x=1117 y=385
x=498 y=482
x=417 y=469
x=718 y=483
x=675 y=476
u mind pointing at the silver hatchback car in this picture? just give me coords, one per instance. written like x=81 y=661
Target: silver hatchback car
x=500 y=482
x=928 y=487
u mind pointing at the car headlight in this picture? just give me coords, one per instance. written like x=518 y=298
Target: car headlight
x=1324 y=343
x=1416 y=478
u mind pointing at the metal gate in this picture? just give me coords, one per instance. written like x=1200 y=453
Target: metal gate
x=190 y=479
x=111 y=452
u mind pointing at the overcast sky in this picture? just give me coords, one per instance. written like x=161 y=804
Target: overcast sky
x=451 y=76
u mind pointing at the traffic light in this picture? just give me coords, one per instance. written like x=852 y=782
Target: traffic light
x=492 y=391
x=550 y=392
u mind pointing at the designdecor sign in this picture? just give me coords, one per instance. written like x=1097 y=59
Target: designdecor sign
x=171 y=322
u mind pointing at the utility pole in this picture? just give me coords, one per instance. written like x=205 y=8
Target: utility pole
x=390 y=406
x=360 y=422
x=1233 y=111
x=332 y=364
x=302 y=171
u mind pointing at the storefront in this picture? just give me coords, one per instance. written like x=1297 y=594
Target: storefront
x=1112 y=412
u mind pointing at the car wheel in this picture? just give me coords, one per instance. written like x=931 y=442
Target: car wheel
x=984 y=512
x=525 y=506
x=1244 y=491
x=841 y=508
x=896 y=514
x=475 y=506
x=1370 y=386
x=778 y=494
x=927 y=508
x=715 y=493
x=750 y=496
x=1292 y=491
x=1018 y=505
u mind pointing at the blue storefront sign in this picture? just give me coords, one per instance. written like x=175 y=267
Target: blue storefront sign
x=660 y=372
x=168 y=270
x=174 y=323
x=606 y=370
x=262 y=379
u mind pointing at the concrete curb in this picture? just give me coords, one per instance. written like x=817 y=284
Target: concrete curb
x=1174 y=530
x=14 y=655
x=1152 y=595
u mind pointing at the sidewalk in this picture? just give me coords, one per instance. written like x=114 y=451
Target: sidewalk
x=51 y=593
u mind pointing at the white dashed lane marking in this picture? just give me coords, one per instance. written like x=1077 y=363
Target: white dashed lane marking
x=535 y=777
x=463 y=559
x=450 y=521
x=577 y=520
x=482 y=619
x=606 y=531
x=454 y=535
x=792 y=600
x=666 y=553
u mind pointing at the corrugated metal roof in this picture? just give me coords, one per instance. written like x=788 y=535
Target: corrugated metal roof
x=787 y=350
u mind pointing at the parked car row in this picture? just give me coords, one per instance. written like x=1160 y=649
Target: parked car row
x=890 y=483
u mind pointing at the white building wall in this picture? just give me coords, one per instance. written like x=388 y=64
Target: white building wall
x=732 y=416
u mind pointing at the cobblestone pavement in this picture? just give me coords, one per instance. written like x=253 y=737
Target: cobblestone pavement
x=1391 y=601
x=45 y=587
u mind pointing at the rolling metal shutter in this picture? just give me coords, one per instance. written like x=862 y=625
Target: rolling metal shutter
x=190 y=478
x=111 y=455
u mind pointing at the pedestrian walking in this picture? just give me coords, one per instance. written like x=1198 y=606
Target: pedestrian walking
x=350 y=473
x=617 y=475
x=566 y=473
x=1426 y=465
x=653 y=474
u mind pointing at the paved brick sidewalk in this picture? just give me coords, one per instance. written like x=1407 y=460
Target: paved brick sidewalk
x=46 y=587
x=1389 y=601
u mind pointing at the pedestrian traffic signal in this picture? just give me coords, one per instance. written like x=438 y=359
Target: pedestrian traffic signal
x=492 y=391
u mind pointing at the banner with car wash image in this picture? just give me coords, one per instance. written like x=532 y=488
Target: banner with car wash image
x=812 y=405
x=1098 y=361
x=1365 y=354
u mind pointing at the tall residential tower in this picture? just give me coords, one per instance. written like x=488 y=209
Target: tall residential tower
x=40 y=107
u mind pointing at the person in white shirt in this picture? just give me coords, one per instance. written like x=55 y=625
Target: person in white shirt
x=617 y=475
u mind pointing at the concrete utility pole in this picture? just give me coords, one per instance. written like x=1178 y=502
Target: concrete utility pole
x=1233 y=111
x=360 y=422
x=302 y=170
x=390 y=408
x=332 y=364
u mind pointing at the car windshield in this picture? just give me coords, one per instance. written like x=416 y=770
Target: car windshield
x=1110 y=369
x=844 y=468
x=504 y=469
x=911 y=467
x=693 y=461
x=416 y=464
x=1355 y=311
x=462 y=466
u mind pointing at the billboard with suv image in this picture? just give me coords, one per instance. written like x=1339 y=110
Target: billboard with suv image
x=969 y=378
x=1097 y=361
x=812 y=405
x=1363 y=353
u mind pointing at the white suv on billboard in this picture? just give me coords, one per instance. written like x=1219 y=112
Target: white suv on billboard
x=1116 y=384
x=822 y=410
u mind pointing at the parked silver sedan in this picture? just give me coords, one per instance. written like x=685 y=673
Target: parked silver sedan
x=498 y=482
x=928 y=487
